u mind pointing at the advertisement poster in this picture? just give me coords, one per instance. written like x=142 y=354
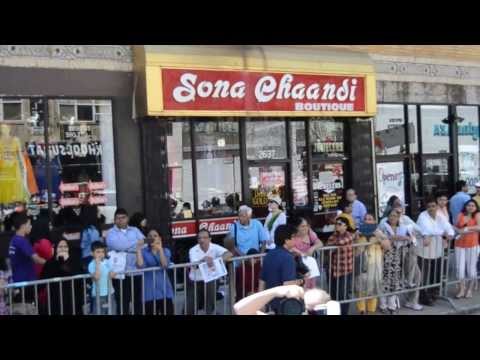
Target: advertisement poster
x=391 y=181
x=265 y=181
x=327 y=187
x=468 y=161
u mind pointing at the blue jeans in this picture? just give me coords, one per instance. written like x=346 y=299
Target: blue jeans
x=104 y=309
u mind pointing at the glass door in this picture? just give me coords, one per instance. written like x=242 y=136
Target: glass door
x=265 y=181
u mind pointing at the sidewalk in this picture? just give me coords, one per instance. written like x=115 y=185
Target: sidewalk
x=442 y=306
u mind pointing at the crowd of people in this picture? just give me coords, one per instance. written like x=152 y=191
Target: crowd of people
x=397 y=255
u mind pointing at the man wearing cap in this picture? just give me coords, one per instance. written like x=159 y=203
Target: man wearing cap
x=275 y=218
x=477 y=195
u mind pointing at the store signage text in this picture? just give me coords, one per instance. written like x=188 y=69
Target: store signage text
x=463 y=130
x=185 y=89
x=71 y=149
x=185 y=229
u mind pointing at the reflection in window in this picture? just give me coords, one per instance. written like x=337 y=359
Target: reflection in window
x=390 y=130
x=435 y=177
x=12 y=110
x=412 y=128
x=217 y=150
x=265 y=181
x=326 y=138
x=468 y=146
x=299 y=163
x=266 y=140
x=180 y=176
x=435 y=133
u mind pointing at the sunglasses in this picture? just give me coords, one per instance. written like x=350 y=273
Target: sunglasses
x=340 y=223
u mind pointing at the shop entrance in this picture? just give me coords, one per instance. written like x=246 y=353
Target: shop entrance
x=267 y=180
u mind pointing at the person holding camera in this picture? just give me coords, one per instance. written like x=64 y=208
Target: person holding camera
x=293 y=300
x=279 y=265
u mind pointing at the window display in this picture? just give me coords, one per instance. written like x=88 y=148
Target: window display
x=326 y=138
x=219 y=180
x=265 y=181
x=328 y=187
x=81 y=155
x=266 y=140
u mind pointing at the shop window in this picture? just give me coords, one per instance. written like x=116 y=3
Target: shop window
x=180 y=176
x=435 y=131
x=326 y=138
x=468 y=145
x=412 y=129
x=266 y=140
x=18 y=183
x=265 y=181
x=328 y=186
x=299 y=163
x=435 y=177
x=390 y=182
x=390 y=130
x=217 y=152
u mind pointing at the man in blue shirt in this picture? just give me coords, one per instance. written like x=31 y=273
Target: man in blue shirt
x=358 y=208
x=458 y=200
x=247 y=233
x=279 y=266
x=123 y=239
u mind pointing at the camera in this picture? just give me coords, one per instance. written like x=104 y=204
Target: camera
x=291 y=307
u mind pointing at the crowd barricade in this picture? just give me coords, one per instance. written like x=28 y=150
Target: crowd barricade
x=72 y=295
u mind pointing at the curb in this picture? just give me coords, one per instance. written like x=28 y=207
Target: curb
x=462 y=311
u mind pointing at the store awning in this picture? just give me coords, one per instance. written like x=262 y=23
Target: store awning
x=177 y=80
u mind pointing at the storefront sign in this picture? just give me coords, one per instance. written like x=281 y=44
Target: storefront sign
x=184 y=229
x=217 y=226
x=72 y=150
x=390 y=178
x=212 y=90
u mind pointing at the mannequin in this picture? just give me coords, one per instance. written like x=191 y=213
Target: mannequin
x=13 y=174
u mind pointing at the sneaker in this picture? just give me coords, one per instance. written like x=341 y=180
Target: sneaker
x=416 y=307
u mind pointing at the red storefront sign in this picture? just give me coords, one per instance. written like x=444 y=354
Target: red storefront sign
x=217 y=226
x=184 y=229
x=230 y=90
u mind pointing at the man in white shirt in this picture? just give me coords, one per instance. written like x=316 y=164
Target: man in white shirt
x=436 y=232
x=197 y=289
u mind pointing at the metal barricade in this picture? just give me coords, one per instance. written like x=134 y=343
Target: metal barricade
x=361 y=273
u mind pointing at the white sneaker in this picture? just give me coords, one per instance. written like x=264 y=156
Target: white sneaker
x=416 y=307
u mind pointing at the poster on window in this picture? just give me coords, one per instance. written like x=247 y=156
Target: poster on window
x=327 y=184
x=468 y=161
x=391 y=181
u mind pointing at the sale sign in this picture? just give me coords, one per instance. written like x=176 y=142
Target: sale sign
x=231 y=90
